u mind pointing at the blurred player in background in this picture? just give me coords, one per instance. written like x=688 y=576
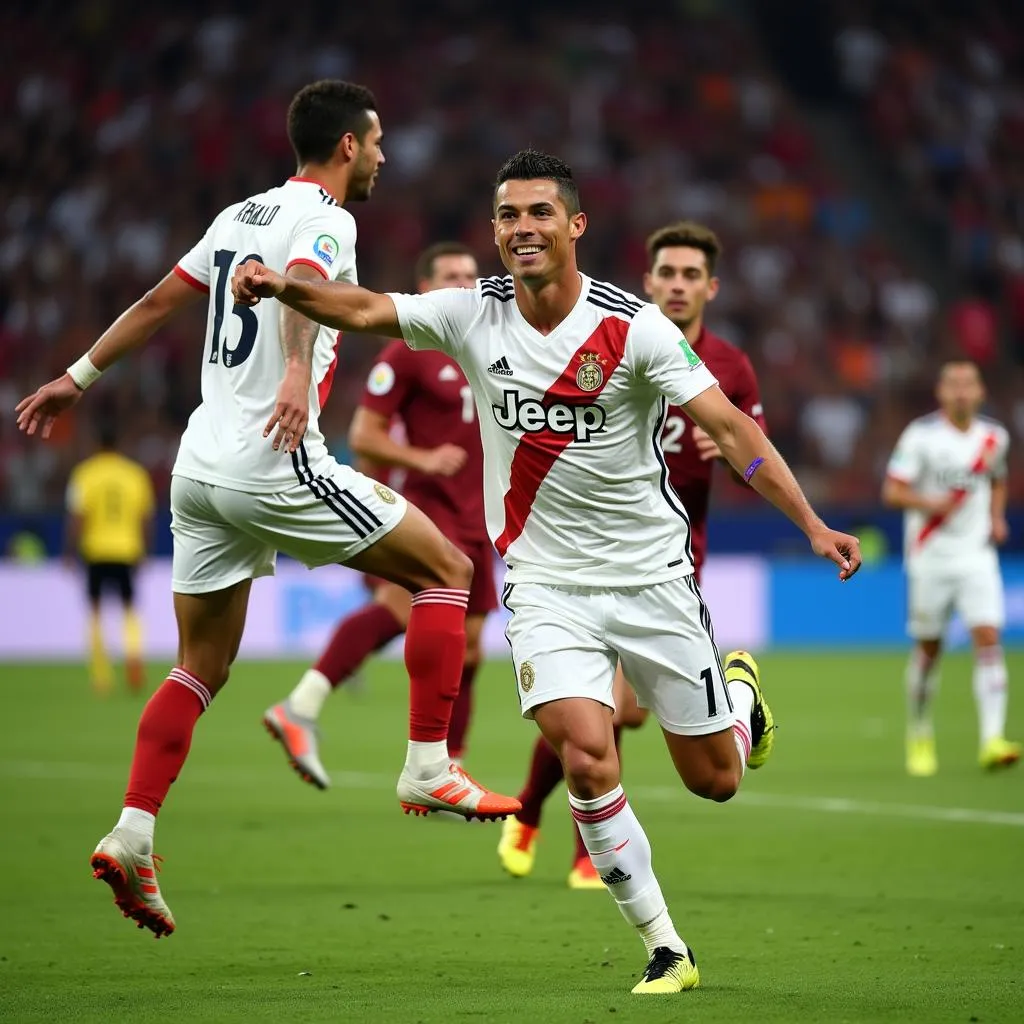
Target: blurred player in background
x=682 y=259
x=253 y=476
x=948 y=474
x=110 y=527
x=443 y=464
x=571 y=378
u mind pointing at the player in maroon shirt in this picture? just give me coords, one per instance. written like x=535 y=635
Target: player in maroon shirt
x=442 y=461
x=681 y=281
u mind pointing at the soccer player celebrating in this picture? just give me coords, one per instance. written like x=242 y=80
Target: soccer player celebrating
x=253 y=476
x=681 y=280
x=110 y=525
x=948 y=474
x=443 y=465
x=571 y=379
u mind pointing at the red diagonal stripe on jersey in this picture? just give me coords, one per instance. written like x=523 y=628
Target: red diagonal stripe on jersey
x=537 y=451
x=959 y=494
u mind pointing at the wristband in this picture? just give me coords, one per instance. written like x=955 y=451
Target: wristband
x=83 y=373
x=752 y=469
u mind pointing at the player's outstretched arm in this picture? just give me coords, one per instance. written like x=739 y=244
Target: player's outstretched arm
x=345 y=307
x=899 y=494
x=370 y=437
x=752 y=455
x=130 y=330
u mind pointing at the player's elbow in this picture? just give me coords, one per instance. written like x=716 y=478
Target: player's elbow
x=892 y=494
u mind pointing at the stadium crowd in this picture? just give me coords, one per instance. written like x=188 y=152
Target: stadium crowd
x=128 y=127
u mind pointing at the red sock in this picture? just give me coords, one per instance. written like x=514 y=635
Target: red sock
x=435 y=645
x=164 y=737
x=354 y=639
x=461 y=712
x=581 y=848
x=545 y=774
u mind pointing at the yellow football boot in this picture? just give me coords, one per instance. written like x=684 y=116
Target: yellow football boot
x=999 y=753
x=741 y=667
x=921 y=758
x=517 y=848
x=584 y=875
x=666 y=972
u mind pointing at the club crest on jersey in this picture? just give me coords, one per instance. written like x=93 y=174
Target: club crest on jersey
x=326 y=248
x=590 y=375
x=527 y=676
x=385 y=494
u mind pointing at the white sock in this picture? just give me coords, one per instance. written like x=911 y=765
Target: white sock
x=427 y=760
x=137 y=820
x=307 y=699
x=742 y=697
x=990 y=692
x=621 y=854
x=922 y=680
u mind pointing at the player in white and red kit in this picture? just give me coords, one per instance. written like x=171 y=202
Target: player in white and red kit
x=442 y=462
x=237 y=497
x=572 y=378
x=682 y=259
x=948 y=472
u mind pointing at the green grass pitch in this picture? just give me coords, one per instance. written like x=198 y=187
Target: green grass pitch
x=834 y=888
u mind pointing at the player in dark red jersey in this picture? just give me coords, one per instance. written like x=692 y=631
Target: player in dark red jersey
x=681 y=281
x=442 y=462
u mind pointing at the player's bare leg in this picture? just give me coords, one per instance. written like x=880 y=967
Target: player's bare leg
x=922 y=681
x=417 y=556
x=101 y=672
x=712 y=765
x=209 y=633
x=990 y=693
x=581 y=731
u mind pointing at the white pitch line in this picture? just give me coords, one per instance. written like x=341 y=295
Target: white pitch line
x=238 y=775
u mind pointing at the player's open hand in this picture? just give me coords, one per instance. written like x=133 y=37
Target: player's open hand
x=291 y=411
x=253 y=281
x=838 y=547
x=43 y=408
x=707 y=446
x=445 y=460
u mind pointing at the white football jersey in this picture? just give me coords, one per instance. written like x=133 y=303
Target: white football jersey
x=936 y=459
x=575 y=484
x=298 y=222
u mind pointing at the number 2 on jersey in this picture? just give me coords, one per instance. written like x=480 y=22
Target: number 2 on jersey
x=219 y=351
x=671 y=435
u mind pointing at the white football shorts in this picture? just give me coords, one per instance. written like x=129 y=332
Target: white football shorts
x=566 y=642
x=223 y=536
x=974 y=588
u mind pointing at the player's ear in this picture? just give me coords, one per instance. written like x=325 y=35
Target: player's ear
x=713 y=284
x=577 y=225
x=648 y=284
x=346 y=148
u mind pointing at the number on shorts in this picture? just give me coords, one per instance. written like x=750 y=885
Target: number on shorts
x=468 y=408
x=671 y=436
x=709 y=685
x=219 y=351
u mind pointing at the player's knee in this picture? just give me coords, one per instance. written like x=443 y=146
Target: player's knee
x=588 y=774
x=632 y=717
x=454 y=570
x=718 y=785
x=985 y=636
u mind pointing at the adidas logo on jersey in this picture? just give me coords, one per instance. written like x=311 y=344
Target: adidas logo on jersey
x=448 y=373
x=615 y=877
x=500 y=367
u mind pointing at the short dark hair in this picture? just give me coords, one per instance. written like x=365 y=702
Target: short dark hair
x=322 y=112
x=529 y=164
x=686 y=233
x=424 y=269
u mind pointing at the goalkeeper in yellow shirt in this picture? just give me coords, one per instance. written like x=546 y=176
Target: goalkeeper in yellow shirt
x=110 y=523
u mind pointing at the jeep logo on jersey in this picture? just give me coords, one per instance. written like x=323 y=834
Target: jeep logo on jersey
x=582 y=421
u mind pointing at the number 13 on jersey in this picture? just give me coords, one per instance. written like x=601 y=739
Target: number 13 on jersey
x=225 y=261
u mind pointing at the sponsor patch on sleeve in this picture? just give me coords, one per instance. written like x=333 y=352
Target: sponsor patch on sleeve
x=381 y=379
x=692 y=359
x=325 y=248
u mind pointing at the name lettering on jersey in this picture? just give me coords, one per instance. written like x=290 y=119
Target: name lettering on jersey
x=533 y=417
x=692 y=359
x=958 y=478
x=259 y=215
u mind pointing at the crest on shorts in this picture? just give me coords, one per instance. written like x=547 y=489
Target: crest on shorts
x=385 y=494
x=526 y=676
x=590 y=375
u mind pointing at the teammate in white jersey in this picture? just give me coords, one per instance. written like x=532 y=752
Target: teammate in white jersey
x=571 y=378
x=253 y=476
x=948 y=472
